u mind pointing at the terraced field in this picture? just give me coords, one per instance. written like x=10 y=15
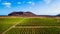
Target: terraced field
x=29 y=25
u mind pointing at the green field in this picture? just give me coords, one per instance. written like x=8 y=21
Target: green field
x=34 y=31
x=6 y=23
x=40 y=22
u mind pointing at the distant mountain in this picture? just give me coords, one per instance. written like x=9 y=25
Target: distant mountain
x=3 y=15
x=21 y=14
x=58 y=15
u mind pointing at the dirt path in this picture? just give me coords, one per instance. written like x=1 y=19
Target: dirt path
x=12 y=26
x=36 y=26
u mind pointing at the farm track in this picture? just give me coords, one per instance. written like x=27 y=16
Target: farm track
x=12 y=27
x=36 y=26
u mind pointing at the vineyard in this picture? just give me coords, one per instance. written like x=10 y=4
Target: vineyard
x=29 y=25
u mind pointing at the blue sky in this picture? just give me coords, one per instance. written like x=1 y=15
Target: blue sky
x=39 y=7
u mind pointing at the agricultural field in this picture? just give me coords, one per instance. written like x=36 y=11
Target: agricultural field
x=5 y=23
x=34 y=31
x=29 y=25
x=40 y=22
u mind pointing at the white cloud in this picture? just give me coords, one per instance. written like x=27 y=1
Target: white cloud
x=32 y=3
x=47 y=1
x=18 y=2
x=7 y=4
